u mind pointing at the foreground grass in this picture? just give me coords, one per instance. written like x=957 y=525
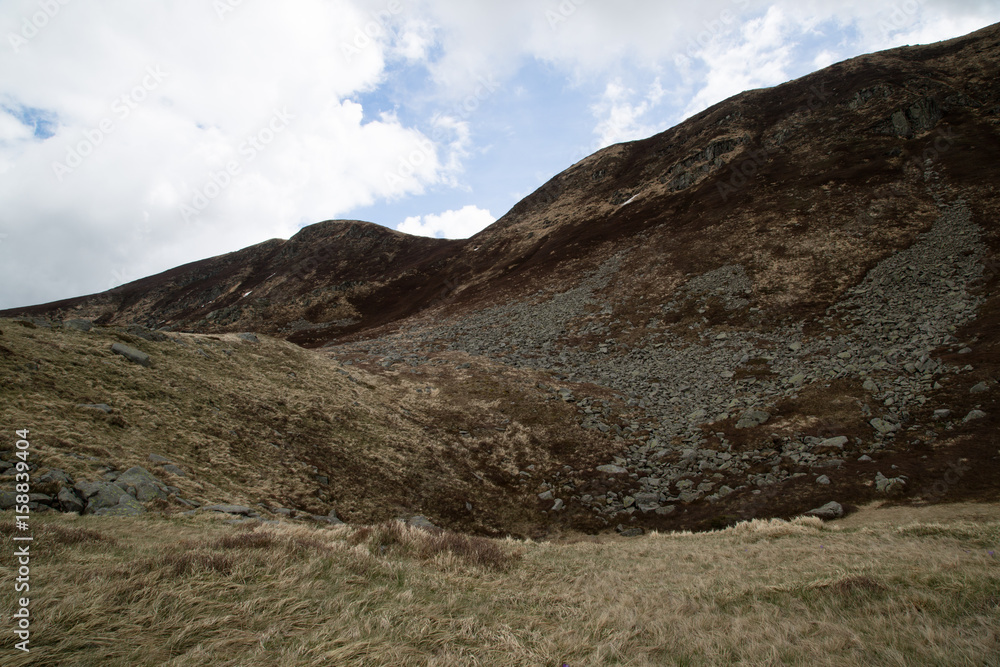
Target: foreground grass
x=195 y=591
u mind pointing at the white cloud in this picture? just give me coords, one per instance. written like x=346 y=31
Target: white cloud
x=624 y=115
x=459 y=224
x=758 y=56
x=641 y=65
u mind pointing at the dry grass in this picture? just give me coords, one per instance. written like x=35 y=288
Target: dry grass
x=265 y=422
x=193 y=591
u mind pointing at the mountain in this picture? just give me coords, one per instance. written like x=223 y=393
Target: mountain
x=787 y=299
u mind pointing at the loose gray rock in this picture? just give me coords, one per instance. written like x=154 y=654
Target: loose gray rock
x=69 y=501
x=156 y=458
x=127 y=506
x=248 y=337
x=979 y=388
x=973 y=415
x=864 y=458
x=752 y=418
x=7 y=500
x=547 y=495
x=55 y=475
x=142 y=484
x=78 y=324
x=941 y=415
x=87 y=489
x=831 y=444
x=611 y=469
x=107 y=496
x=889 y=485
x=558 y=504
x=174 y=470
x=103 y=407
x=823 y=479
x=130 y=353
x=832 y=510
x=420 y=521
x=883 y=426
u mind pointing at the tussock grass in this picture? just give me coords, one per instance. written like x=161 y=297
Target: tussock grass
x=156 y=590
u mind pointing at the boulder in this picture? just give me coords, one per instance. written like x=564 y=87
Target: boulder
x=127 y=506
x=78 y=324
x=248 y=337
x=832 y=510
x=752 y=418
x=130 y=353
x=140 y=483
x=174 y=470
x=830 y=445
x=107 y=496
x=973 y=415
x=156 y=458
x=420 y=521
x=7 y=500
x=69 y=501
x=103 y=407
x=889 y=485
x=883 y=427
x=54 y=475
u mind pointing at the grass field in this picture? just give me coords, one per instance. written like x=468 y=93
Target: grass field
x=886 y=587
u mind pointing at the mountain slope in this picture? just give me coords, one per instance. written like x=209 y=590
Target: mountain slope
x=787 y=299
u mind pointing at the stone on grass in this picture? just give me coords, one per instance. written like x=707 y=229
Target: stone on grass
x=140 y=483
x=70 y=501
x=832 y=510
x=130 y=353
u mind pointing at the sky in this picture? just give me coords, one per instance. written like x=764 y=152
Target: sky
x=139 y=135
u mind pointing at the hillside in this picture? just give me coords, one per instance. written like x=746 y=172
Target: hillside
x=786 y=300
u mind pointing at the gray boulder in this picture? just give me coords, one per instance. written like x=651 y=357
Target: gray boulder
x=78 y=324
x=973 y=415
x=752 y=418
x=420 y=521
x=140 y=483
x=127 y=506
x=7 y=500
x=130 y=353
x=69 y=501
x=883 y=426
x=103 y=407
x=832 y=510
x=108 y=495
x=174 y=470
x=55 y=475
x=248 y=337
x=87 y=489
